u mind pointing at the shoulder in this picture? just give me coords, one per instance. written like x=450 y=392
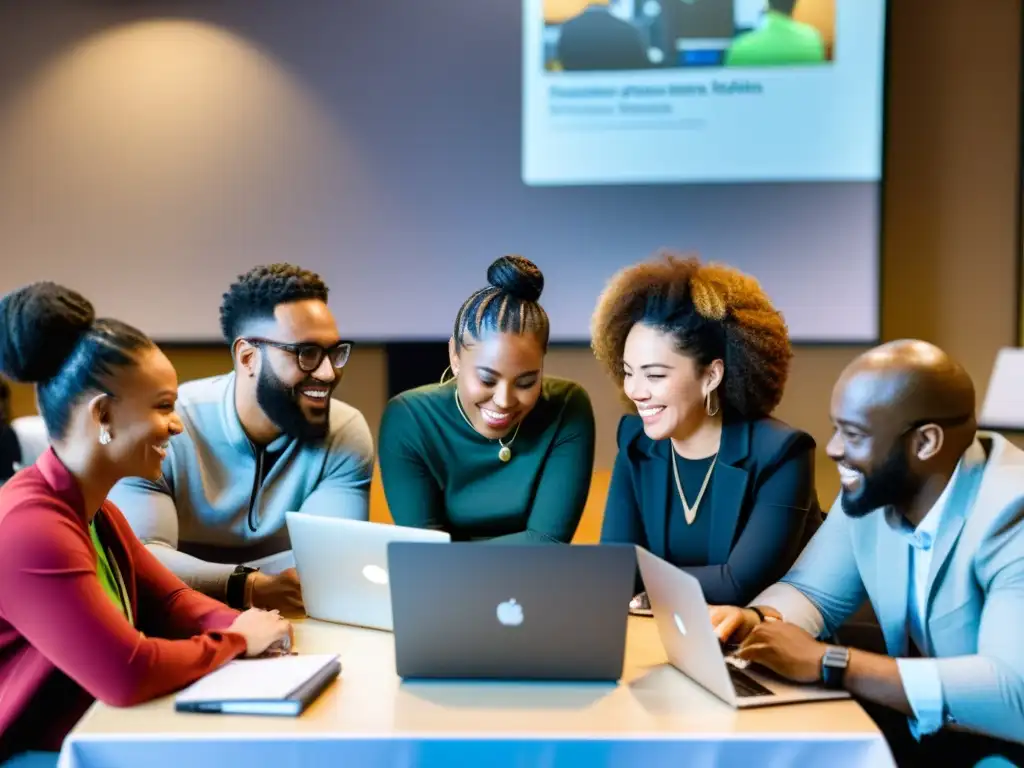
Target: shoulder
x=806 y=31
x=349 y=436
x=1000 y=497
x=772 y=440
x=201 y=400
x=566 y=395
x=746 y=41
x=425 y=398
x=630 y=433
x=36 y=524
x=206 y=391
x=417 y=408
x=994 y=529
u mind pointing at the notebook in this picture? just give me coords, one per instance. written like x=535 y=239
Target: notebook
x=282 y=685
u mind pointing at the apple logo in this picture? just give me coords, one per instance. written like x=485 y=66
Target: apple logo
x=510 y=613
x=375 y=574
x=679 y=623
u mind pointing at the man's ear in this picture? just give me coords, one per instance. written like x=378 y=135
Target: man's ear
x=928 y=442
x=245 y=356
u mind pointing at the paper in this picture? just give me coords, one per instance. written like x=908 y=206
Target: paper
x=256 y=679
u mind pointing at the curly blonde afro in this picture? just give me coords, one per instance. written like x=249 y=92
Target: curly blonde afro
x=712 y=312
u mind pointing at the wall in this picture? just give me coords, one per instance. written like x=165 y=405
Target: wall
x=950 y=221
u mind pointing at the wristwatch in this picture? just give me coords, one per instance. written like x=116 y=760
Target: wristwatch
x=236 y=587
x=833 y=666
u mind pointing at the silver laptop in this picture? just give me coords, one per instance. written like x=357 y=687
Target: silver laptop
x=342 y=565
x=692 y=646
x=511 y=611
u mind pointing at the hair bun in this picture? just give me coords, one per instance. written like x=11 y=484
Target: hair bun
x=40 y=326
x=516 y=276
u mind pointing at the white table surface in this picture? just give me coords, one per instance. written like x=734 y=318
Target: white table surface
x=654 y=716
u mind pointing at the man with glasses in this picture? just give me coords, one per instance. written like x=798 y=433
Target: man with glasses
x=928 y=526
x=263 y=440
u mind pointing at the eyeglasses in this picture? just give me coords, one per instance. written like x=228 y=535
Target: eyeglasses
x=308 y=355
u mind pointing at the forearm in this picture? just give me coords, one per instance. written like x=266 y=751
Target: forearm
x=877 y=678
x=718 y=584
x=209 y=578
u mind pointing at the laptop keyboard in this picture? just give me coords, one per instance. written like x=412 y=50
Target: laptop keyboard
x=745 y=685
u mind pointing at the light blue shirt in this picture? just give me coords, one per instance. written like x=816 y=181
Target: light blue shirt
x=921 y=682
x=222 y=500
x=920 y=676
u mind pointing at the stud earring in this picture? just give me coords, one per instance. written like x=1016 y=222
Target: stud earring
x=105 y=436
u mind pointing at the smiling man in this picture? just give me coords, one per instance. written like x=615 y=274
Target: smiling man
x=929 y=526
x=263 y=440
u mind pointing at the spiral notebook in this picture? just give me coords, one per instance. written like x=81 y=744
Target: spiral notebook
x=283 y=685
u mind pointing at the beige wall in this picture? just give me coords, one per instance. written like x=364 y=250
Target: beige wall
x=950 y=219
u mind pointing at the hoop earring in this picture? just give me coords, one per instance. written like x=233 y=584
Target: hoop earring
x=105 y=436
x=707 y=404
x=446 y=371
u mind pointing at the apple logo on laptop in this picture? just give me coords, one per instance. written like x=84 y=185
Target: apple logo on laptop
x=679 y=623
x=510 y=613
x=375 y=574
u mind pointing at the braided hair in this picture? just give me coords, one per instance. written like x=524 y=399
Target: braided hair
x=509 y=303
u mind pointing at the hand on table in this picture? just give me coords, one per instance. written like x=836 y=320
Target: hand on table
x=261 y=630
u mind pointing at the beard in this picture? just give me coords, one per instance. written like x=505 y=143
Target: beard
x=891 y=484
x=281 y=404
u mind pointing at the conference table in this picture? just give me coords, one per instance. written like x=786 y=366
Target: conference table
x=654 y=716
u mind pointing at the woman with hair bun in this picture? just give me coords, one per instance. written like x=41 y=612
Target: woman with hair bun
x=84 y=607
x=704 y=477
x=499 y=451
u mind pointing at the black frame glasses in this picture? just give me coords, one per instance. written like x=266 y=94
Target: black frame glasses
x=309 y=356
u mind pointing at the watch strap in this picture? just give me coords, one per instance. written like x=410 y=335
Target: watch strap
x=833 y=666
x=235 y=596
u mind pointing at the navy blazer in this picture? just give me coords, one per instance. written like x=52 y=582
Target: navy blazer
x=763 y=501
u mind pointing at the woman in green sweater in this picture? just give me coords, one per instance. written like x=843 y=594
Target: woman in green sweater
x=499 y=451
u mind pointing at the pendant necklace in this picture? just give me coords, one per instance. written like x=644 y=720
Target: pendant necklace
x=505 y=451
x=690 y=513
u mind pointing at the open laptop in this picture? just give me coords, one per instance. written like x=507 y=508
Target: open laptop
x=511 y=611
x=343 y=566
x=692 y=646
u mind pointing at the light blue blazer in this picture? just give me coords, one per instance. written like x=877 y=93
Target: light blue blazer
x=975 y=588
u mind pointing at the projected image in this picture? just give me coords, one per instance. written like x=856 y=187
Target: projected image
x=619 y=35
x=702 y=91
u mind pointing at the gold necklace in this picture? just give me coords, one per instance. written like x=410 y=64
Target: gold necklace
x=505 y=452
x=690 y=512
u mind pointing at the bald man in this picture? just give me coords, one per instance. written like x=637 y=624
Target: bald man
x=928 y=526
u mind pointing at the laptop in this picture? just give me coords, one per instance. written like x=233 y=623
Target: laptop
x=493 y=611
x=681 y=613
x=342 y=565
